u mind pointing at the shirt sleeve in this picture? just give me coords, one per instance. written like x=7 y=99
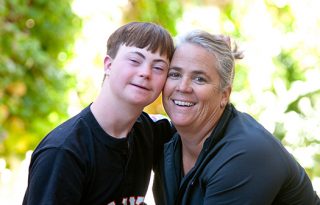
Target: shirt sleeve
x=56 y=178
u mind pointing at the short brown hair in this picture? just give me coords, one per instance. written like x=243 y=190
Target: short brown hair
x=141 y=35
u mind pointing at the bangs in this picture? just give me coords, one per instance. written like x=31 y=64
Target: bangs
x=142 y=35
x=152 y=38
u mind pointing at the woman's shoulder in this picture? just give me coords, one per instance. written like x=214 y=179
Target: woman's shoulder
x=246 y=138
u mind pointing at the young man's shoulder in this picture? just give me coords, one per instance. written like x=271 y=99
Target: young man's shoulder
x=65 y=135
x=155 y=119
x=157 y=122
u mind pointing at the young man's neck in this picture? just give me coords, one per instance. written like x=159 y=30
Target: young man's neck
x=115 y=118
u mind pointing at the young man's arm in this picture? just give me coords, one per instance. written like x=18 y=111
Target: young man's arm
x=56 y=178
x=164 y=131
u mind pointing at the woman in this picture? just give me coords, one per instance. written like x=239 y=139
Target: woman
x=220 y=155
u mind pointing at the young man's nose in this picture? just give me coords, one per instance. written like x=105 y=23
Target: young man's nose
x=145 y=71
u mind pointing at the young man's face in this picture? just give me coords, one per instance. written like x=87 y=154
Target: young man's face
x=136 y=75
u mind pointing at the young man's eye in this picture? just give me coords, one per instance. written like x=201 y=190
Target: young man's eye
x=135 y=61
x=158 y=68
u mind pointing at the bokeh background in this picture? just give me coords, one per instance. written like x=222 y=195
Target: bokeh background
x=51 y=66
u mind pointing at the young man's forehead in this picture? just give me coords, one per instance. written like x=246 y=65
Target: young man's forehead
x=142 y=51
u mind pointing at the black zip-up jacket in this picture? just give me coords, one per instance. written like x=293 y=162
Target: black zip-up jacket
x=240 y=163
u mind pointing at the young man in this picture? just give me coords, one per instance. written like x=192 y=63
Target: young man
x=104 y=155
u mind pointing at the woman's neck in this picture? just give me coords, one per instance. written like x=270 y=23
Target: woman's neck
x=192 y=145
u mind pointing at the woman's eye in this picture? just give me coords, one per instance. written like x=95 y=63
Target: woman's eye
x=200 y=80
x=173 y=75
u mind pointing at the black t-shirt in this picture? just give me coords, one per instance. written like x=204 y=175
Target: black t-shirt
x=78 y=163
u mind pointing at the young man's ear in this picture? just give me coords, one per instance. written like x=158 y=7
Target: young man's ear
x=107 y=64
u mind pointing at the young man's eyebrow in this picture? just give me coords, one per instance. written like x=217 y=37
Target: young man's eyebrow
x=138 y=53
x=142 y=56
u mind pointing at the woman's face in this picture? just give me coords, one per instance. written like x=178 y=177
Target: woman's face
x=192 y=96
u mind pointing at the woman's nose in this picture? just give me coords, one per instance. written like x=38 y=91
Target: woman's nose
x=184 y=85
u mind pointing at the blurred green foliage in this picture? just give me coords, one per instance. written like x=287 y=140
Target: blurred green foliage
x=163 y=12
x=37 y=39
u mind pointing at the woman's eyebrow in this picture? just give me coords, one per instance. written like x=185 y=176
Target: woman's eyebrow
x=175 y=68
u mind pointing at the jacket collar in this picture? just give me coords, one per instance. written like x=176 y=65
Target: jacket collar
x=175 y=161
x=218 y=132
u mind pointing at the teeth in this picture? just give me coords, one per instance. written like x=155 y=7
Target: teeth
x=182 y=103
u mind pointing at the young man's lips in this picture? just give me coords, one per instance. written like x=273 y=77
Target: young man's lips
x=140 y=86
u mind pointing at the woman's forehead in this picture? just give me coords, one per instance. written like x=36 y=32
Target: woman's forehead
x=191 y=55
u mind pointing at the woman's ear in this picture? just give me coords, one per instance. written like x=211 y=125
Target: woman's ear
x=225 y=97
